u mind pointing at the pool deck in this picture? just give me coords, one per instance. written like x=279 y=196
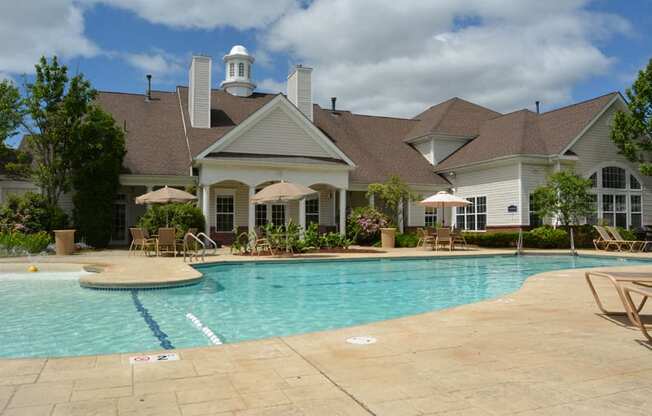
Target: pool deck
x=542 y=350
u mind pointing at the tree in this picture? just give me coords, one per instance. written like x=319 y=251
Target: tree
x=95 y=156
x=632 y=130
x=11 y=117
x=53 y=108
x=565 y=197
x=392 y=193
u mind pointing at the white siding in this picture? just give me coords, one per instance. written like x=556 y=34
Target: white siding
x=532 y=176
x=325 y=205
x=199 y=92
x=300 y=90
x=596 y=148
x=9 y=187
x=444 y=148
x=425 y=149
x=277 y=134
x=501 y=186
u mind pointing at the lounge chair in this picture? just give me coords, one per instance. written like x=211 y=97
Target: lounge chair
x=605 y=240
x=425 y=238
x=444 y=237
x=141 y=241
x=167 y=240
x=633 y=311
x=630 y=243
x=618 y=280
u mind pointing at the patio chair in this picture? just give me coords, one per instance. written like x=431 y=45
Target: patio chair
x=259 y=244
x=167 y=240
x=444 y=237
x=605 y=240
x=633 y=312
x=618 y=280
x=141 y=241
x=425 y=237
x=631 y=243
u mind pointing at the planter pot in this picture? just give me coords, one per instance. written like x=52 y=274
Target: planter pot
x=388 y=237
x=64 y=242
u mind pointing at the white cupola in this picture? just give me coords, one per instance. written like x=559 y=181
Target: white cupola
x=237 y=79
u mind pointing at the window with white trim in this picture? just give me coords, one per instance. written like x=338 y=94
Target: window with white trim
x=249 y=71
x=535 y=219
x=231 y=69
x=430 y=218
x=241 y=69
x=618 y=197
x=261 y=215
x=278 y=214
x=312 y=211
x=224 y=213
x=472 y=217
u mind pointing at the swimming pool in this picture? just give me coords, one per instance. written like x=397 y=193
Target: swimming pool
x=51 y=315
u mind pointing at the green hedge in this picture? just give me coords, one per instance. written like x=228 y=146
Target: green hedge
x=406 y=240
x=180 y=216
x=32 y=243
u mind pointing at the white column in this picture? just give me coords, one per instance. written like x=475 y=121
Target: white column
x=400 y=216
x=252 y=210
x=302 y=214
x=205 y=206
x=372 y=201
x=342 y=211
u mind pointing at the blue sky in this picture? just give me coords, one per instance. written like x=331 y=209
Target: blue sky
x=376 y=56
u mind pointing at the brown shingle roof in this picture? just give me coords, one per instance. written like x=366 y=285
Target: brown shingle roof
x=375 y=145
x=155 y=141
x=456 y=117
x=526 y=133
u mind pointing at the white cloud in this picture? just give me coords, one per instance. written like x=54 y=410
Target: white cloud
x=160 y=64
x=389 y=57
x=205 y=14
x=270 y=85
x=29 y=29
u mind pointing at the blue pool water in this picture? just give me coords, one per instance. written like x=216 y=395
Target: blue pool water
x=51 y=315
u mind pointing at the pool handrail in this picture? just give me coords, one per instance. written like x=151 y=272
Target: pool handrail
x=210 y=240
x=185 y=248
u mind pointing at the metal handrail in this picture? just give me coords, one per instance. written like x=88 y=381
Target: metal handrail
x=519 y=243
x=185 y=247
x=204 y=235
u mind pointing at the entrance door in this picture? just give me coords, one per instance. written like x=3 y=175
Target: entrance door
x=119 y=222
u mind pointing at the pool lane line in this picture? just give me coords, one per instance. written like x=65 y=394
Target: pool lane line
x=151 y=322
x=197 y=323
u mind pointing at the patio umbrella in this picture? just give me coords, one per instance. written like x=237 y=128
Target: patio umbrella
x=165 y=196
x=443 y=199
x=280 y=192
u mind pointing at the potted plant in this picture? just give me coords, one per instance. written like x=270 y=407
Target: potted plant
x=392 y=194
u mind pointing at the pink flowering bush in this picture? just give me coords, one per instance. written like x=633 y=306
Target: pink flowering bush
x=364 y=224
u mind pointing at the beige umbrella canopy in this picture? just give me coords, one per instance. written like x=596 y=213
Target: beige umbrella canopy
x=443 y=199
x=280 y=192
x=165 y=196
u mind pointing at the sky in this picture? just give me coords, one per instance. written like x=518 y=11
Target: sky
x=382 y=57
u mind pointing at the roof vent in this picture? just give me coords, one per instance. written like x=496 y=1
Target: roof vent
x=148 y=93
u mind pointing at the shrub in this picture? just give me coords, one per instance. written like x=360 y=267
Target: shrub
x=334 y=240
x=546 y=237
x=364 y=224
x=490 y=239
x=32 y=243
x=311 y=236
x=406 y=240
x=30 y=213
x=180 y=216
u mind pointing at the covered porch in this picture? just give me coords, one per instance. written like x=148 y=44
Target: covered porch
x=225 y=191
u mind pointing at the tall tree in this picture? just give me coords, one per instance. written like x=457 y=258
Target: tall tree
x=55 y=106
x=11 y=117
x=565 y=197
x=632 y=130
x=96 y=155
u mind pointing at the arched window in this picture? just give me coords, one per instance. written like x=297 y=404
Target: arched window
x=249 y=71
x=241 y=69
x=231 y=69
x=618 y=198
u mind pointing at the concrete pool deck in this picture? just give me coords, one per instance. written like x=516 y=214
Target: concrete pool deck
x=542 y=350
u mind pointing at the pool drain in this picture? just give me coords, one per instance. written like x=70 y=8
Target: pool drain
x=362 y=340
